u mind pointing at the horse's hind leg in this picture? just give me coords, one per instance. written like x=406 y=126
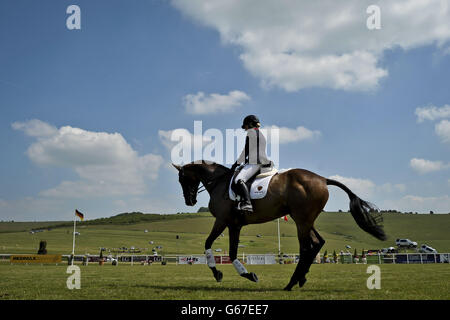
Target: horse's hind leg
x=308 y=250
x=317 y=241
x=310 y=244
x=215 y=232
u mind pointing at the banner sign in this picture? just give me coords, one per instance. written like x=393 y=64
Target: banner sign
x=192 y=260
x=222 y=259
x=140 y=258
x=36 y=258
x=260 y=259
x=154 y=259
x=417 y=258
x=96 y=259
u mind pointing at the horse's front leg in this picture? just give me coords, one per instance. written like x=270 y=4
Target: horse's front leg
x=215 y=232
x=234 y=232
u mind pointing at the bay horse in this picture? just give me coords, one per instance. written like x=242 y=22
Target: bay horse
x=299 y=193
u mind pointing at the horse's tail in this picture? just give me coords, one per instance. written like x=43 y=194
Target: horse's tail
x=365 y=213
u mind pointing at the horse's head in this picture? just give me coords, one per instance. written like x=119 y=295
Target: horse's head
x=189 y=182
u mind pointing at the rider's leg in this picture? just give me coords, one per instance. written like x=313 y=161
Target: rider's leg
x=247 y=172
x=244 y=175
x=245 y=203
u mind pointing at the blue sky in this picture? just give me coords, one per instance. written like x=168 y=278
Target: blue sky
x=131 y=67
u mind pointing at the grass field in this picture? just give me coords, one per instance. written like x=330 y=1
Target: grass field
x=328 y=281
x=338 y=229
x=195 y=282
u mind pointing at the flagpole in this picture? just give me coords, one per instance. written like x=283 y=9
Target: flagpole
x=279 y=244
x=73 y=247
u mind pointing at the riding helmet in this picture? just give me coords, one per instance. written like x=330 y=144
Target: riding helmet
x=250 y=120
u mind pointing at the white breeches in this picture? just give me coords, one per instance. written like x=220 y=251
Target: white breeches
x=247 y=172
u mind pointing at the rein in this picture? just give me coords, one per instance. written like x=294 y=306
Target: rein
x=202 y=188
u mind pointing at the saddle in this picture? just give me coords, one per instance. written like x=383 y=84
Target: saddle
x=257 y=185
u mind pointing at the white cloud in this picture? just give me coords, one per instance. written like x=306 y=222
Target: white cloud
x=299 y=44
x=426 y=166
x=33 y=209
x=389 y=188
x=35 y=128
x=106 y=164
x=170 y=138
x=362 y=187
x=432 y=113
x=185 y=147
x=120 y=203
x=288 y=135
x=446 y=51
x=442 y=129
x=386 y=196
x=408 y=203
x=365 y=189
x=200 y=103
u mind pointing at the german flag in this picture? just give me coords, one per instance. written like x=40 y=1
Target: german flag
x=79 y=214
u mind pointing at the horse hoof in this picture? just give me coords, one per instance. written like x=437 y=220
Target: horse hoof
x=254 y=277
x=250 y=276
x=301 y=282
x=218 y=276
x=289 y=286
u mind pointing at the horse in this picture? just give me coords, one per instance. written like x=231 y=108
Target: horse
x=298 y=193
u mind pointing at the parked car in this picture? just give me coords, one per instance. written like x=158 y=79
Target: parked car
x=427 y=249
x=389 y=250
x=406 y=243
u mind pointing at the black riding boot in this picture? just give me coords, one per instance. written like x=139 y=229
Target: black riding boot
x=245 y=204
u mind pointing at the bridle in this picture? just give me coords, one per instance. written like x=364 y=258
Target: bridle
x=212 y=183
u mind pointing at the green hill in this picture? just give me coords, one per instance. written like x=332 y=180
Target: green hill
x=128 y=230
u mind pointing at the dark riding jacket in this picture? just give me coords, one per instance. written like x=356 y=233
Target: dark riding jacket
x=255 y=149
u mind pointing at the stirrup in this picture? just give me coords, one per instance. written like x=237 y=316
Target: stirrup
x=245 y=207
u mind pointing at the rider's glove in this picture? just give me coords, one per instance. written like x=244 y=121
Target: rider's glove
x=234 y=166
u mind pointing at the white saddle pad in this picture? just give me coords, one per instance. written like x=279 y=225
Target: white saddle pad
x=259 y=186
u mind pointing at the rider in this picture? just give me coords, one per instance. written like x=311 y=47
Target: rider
x=254 y=156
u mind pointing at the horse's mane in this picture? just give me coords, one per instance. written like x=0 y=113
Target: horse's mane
x=210 y=164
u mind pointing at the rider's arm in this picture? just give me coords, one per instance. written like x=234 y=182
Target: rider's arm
x=252 y=146
x=242 y=156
